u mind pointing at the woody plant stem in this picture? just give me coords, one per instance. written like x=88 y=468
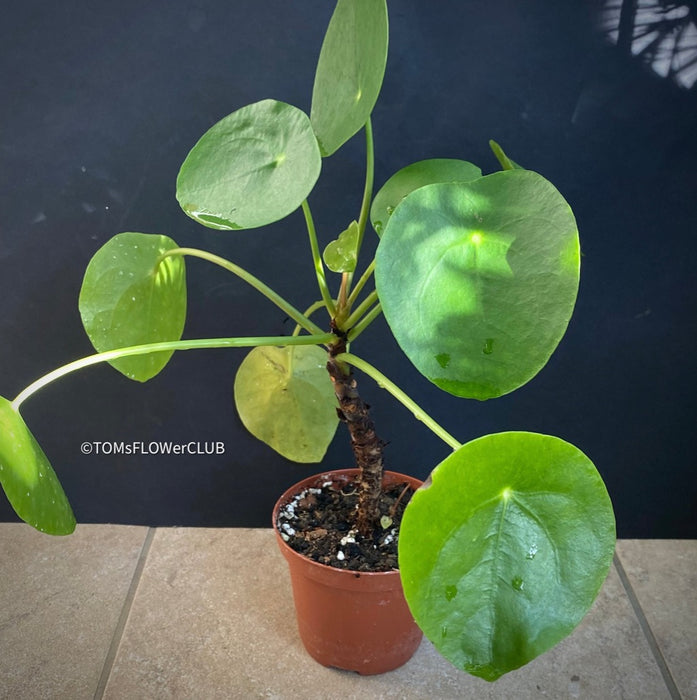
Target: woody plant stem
x=353 y=411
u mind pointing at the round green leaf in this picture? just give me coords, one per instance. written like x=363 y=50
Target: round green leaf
x=127 y=298
x=285 y=398
x=253 y=167
x=406 y=180
x=31 y=485
x=503 y=551
x=478 y=280
x=349 y=72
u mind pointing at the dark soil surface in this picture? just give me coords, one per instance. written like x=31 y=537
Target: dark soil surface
x=318 y=523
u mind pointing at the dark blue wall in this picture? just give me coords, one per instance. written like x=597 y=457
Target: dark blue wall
x=101 y=103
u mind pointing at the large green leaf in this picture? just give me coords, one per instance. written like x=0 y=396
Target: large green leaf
x=350 y=70
x=410 y=178
x=252 y=168
x=504 y=551
x=127 y=298
x=478 y=280
x=31 y=485
x=285 y=398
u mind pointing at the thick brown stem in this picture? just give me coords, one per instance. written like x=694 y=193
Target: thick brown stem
x=367 y=447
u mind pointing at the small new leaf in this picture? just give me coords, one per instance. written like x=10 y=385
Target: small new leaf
x=341 y=254
x=506 y=162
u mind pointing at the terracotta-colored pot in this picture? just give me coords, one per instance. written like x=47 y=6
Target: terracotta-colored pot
x=349 y=620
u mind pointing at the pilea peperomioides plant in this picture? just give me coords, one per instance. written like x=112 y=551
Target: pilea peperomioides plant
x=504 y=549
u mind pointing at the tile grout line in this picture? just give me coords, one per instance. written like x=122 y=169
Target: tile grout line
x=646 y=629
x=123 y=617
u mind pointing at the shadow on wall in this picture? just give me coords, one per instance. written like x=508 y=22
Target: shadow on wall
x=660 y=33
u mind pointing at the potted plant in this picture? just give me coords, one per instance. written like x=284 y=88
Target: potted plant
x=504 y=548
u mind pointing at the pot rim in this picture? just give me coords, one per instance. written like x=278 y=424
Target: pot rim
x=315 y=568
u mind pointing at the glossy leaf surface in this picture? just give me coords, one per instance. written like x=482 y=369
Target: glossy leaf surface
x=341 y=254
x=504 y=552
x=31 y=485
x=349 y=72
x=478 y=280
x=252 y=168
x=128 y=299
x=410 y=178
x=285 y=398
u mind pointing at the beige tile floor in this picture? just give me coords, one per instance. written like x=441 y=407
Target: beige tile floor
x=129 y=612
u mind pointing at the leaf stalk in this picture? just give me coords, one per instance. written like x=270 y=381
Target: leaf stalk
x=194 y=344
x=384 y=383
x=317 y=260
x=300 y=318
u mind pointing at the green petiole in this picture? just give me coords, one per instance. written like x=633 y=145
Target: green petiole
x=358 y=314
x=384 y=383
x=308 y=312
x=364 y=322
x=367 y=198
x=369 y=179
x=317 y=260
x=361 y=283
x=269 y=293
x=195 y=344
